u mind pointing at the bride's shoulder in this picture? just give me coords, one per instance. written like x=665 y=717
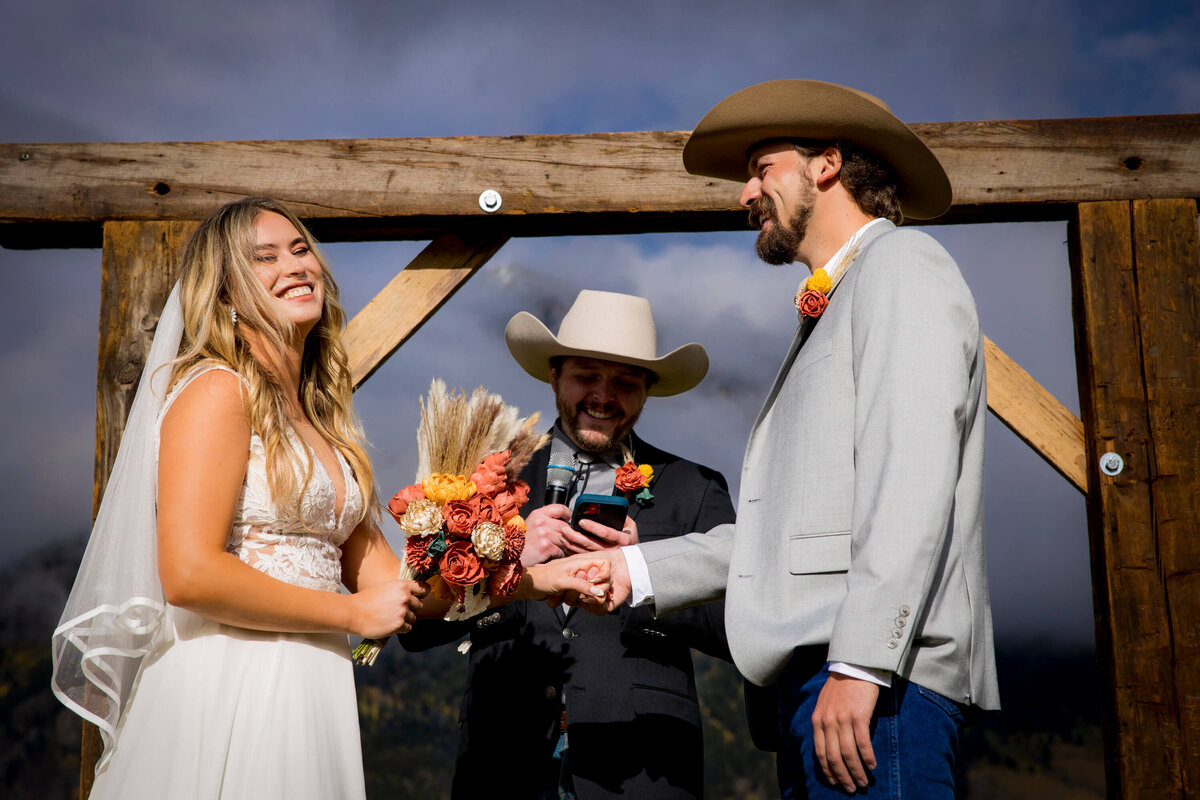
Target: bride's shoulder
x=207 y=391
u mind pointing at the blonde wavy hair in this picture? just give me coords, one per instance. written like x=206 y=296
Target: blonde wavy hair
x=217 y=275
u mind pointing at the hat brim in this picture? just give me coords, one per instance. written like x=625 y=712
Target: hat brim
x=720 y=145
x=533 y=345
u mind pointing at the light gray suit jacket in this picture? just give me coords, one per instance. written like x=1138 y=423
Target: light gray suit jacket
x=860 y=518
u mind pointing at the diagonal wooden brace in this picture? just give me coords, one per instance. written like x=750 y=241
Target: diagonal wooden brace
x=412 y=297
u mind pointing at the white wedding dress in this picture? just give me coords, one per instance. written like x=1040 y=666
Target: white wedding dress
x=225 y=712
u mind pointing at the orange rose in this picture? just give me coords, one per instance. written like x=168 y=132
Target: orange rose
x=490 y=476
x=460 y=567
x=485 y=509
x=512 y=499
x=505 y=580
x=399 y=503
x=629 y=478
x=811 y=304
x=416 y=553
x=461 y=517
x=514 y=542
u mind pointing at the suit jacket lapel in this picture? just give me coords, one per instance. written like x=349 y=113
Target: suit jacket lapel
x=802 y=333
x=641 y=450
x=809 y=323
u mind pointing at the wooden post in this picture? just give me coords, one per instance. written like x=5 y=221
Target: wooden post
x=140 y=264
x=1136 y=286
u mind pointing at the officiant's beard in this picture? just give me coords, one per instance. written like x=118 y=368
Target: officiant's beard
x=593 y=441
x=778 y=245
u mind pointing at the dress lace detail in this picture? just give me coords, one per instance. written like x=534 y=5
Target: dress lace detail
x=300 y=546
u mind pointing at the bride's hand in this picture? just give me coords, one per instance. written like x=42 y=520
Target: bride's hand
x=381 y=609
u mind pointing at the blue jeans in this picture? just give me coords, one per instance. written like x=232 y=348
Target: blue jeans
x=914 y=733
x=559 y=785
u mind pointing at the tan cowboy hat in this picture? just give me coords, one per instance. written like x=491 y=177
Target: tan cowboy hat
x=611 y=327
x=801 y=109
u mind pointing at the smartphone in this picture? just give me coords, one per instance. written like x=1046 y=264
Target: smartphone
x=606 y=509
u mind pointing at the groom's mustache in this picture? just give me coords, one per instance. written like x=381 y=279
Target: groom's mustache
x=761 y=209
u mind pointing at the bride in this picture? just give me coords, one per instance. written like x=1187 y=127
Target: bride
x=206 y=634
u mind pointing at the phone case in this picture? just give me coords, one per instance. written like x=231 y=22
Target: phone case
x=606 y=509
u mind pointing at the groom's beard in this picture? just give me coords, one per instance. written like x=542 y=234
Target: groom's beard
x=778 y=245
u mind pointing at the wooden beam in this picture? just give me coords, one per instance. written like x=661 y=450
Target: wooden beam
x=412 y=297
x=139 y=266
x=405 y=188
x=1166 y=252
x=1035 y=415
x=1137 y=328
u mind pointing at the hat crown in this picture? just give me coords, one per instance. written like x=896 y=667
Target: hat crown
x=795 y=108
x=607 y=326
x=610 y=322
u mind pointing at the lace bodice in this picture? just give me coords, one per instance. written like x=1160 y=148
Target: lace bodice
x=275 y=540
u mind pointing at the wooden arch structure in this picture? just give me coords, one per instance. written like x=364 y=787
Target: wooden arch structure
x=1127 y=187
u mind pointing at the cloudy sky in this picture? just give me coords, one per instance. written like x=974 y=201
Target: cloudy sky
x=152 y=71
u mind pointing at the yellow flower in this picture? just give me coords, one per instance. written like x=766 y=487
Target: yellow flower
x=517 y=520
x=442 y=488
x=819 y=282
x=646 y=470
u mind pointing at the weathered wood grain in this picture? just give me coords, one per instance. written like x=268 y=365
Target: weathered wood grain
x=598 y=183
x=1166 y=253
x=1134 y=634
x=1035 y=415
x=412 y=297
x=139 y=265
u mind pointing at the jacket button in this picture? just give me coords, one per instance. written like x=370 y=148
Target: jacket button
x=569 y=634
x=551 y=693
x=898 y=632
x=891 y=643
x=904 y=611
x=900 y=622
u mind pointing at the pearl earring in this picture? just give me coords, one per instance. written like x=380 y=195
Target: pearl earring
x=233 y=315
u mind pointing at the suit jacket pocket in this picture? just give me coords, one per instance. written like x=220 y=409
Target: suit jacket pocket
x=820 y=552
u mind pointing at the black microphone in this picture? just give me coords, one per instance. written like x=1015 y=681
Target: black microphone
x=559 y=472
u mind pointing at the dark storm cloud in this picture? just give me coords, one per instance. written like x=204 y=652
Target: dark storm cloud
x=73 y=71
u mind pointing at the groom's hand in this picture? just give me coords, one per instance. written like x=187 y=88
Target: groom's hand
x=619 y=577
x=842 y=730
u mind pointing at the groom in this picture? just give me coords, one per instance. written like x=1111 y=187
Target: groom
x=854 y=578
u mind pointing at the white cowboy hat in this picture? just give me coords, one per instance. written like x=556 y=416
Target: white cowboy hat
x=802 y=109
x=611 y=327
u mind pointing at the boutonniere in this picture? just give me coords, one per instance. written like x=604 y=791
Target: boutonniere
x=813 y=296
x=633 y=477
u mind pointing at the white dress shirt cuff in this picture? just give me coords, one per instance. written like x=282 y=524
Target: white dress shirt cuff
x=883 y=677
x=642 y=593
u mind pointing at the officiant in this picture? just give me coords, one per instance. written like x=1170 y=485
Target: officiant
x=566 y=704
